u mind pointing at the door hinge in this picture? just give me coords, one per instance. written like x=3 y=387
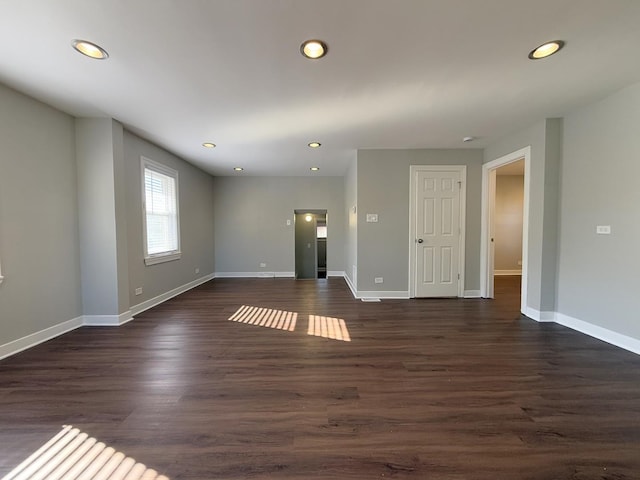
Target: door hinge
x=458 y=276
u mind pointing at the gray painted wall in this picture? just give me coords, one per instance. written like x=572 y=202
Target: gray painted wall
x=103 y=250
x=306 y=248
x=250 y=220
x=196 y=223
x=598 y=279
x=544 y=138
x=508 y=222
x=39 y=247
x=383 y=188
x=351 y=201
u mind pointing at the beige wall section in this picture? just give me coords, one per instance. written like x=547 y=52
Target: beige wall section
x=383 y=188
x=39 y=246
x=598 y=279
x=508 y=222
x=196 y=223
x=251 y=216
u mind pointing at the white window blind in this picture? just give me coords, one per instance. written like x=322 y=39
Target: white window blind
x=162 y=240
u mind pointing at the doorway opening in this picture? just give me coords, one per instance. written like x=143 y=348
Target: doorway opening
x=505 y=225
x=310 y=244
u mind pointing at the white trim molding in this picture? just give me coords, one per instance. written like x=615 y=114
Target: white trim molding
x=152 y=302
x=507 y=272
x=107 y=320
x=389 y=294
x=354 y=292
x=254 y=275
x=614 y=338
x=471 y=294
x=377 y=295
x=487 y=192
x=539 y=316
x=37 y=338
x=336 y=273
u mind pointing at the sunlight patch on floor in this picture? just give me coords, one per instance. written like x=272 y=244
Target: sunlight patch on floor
x=266 y=317
x=72 y=454
x=328 y=327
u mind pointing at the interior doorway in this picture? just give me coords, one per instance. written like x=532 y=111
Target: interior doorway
x=310 y=244
x=437 y=230
x=494 y=223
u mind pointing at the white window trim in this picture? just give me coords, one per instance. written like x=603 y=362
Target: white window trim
x=154 y=259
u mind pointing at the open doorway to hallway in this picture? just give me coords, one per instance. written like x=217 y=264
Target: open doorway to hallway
x=510 y=221
x=507 y=229
x=310 y=244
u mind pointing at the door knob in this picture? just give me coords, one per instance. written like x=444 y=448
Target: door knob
x=420 y=240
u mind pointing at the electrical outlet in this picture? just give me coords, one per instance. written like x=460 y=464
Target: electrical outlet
x=139 y=291
x=378 y=280
x=263 y=265
x=197 y=270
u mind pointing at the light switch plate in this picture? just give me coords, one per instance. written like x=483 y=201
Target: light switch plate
x=372 y=217
x=603 y=229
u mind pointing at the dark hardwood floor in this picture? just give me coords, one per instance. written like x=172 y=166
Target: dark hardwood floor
x=425 y=389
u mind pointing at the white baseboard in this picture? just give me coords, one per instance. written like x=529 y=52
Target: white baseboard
x=107 y=320
x=351 y=286
x=34 y=339
x=619 y=340
x=335 y=273
x=389 y=294
x=507 y=272
x=539 y=316
x=374 y=295
x=471 y=294
x=152 y=302
x=254 y=275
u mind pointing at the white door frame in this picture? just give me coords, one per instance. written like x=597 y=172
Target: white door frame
x=414 y=169
x=488 y=206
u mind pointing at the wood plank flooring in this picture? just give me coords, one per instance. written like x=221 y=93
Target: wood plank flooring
x=425 y=389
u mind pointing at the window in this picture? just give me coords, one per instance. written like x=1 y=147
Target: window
x=160 y=213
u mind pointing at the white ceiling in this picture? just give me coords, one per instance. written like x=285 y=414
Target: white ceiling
x=399 y=73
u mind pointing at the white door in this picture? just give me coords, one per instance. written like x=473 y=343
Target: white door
x=437 y=232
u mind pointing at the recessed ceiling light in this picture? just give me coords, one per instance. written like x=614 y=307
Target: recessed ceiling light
x=209 y=145
x=468 y=139
x=90 y=49
x=314 y=169
x=314 y=144
x=314 y=49
x=238 y=169
x=546 y=49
